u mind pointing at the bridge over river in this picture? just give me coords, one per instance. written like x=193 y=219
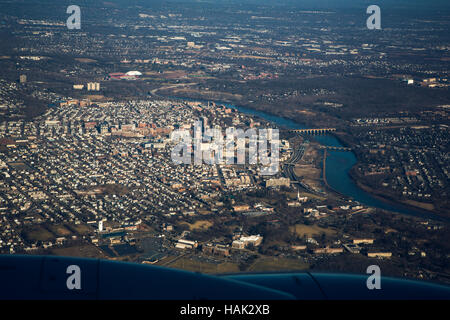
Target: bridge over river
x=335 y=148
x=313 y=130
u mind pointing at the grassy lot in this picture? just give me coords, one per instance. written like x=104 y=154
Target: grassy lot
x=39 y=234
x=277 y=264
x=423 y=205
x=85 y=60
x=60 y=230
x=303 y=230
x=204 y=267
x=199 y=225
x=85 y=251
x=293 y=195
x=80 y=228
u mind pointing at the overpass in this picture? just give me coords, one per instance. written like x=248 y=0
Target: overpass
x=314 y=130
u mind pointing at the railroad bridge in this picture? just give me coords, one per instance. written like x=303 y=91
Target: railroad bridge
x=314 y=130
x=336 y=148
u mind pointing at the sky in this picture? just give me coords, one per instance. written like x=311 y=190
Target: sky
x=327 y=3
x=416 y=6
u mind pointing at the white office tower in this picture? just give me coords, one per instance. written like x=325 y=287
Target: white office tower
x=100 y=226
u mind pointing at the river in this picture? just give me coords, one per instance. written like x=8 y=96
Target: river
x=338 y=164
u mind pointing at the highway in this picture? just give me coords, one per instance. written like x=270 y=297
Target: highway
x=288 y=167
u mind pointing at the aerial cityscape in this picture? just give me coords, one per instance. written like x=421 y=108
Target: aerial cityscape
x=91 y=117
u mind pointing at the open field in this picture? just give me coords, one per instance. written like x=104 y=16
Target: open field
x=303 y=230
x=204 y=267
x=95 y=97
x=309 y=175
x=60 y=230
x=199 y=225
x=80 y=228
x=39 y=234
x=85 y=60
x=307 y=171
x=277 y=264
x=293 y=195
x=85 y=251
x=423 y=205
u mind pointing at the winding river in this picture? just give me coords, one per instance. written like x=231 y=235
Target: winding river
x=338 y=164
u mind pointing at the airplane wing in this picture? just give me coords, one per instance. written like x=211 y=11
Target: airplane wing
x=32 y=277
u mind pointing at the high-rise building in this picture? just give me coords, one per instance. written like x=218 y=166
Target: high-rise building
x=93 y=86
x=23 y=78
x=204 y=121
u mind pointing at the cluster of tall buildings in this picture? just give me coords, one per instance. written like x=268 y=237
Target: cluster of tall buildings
x=91 y=86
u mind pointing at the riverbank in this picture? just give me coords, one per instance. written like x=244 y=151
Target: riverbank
x=324 y=177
